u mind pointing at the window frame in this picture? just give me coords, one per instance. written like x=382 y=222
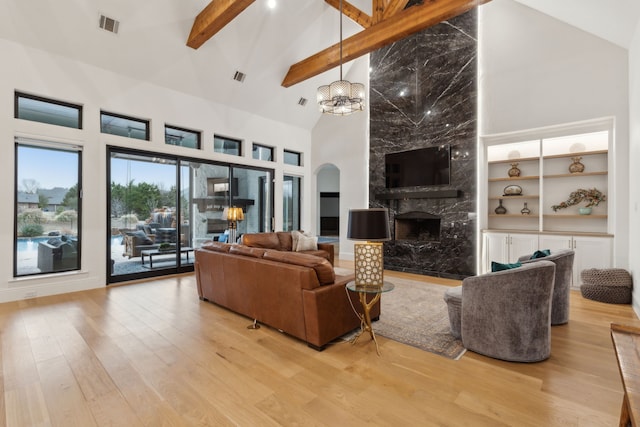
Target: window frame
x=147 y=124
x=198 y=135
x=16 y=103
x=227 y=139
x=262 y=147
x=298 y=155
x=47 y=145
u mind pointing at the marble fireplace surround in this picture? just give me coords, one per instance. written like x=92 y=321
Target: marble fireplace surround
x=423 y=93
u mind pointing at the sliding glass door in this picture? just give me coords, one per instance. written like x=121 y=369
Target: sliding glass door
x=161 y=208
x=255 y=196
x=148 y=221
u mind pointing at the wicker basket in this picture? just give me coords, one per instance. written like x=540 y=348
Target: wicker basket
x=610 y=285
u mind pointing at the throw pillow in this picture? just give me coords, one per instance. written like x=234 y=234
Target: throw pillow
x=496 y=266
x=295 y=236
x=541 y=254
x=307 y=243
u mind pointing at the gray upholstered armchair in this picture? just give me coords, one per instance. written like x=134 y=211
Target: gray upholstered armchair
x=563 y=259
x=507 y=314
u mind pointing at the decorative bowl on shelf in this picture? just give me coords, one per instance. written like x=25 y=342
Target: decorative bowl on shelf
x=512 y=190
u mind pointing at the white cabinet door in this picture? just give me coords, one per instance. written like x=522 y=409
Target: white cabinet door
x=591 y=252
x=495 y=248
x=506 y=247
x=555 y=242
x=522 y=244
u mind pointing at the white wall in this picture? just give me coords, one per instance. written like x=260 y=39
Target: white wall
x=49 y=75
x=634 y=161
x=344 y=143
x=536 y=71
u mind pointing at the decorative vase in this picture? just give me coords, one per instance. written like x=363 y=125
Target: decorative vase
x=584 y=211
x=525 y=210
x=576 y=166
x=514 y=171
x=500 y=210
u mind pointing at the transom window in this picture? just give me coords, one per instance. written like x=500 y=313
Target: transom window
x=50 y=111
x=225 y=145
x=181 y=137
x=262 y=152
x=292 y=158
x=129 y=127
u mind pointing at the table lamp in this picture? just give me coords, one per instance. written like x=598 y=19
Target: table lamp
x=233 y=215
x=371 y=226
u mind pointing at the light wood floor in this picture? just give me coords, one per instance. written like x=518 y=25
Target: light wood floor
x=152 y=354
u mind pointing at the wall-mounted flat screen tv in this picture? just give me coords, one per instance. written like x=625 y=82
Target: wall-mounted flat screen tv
x=424 y=166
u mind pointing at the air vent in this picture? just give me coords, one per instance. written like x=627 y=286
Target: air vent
x=302 y=101
x=109 y=24
x=238 y=76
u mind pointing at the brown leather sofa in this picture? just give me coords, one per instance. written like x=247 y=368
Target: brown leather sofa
x=283 y=241
x=296 y=293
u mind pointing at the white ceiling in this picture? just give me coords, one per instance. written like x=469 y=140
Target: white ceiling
x=260 y=42
x=612 y=20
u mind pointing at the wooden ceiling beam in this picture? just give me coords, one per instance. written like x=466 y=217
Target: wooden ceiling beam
x=393 y=7
x=377 y=7
x=385 y=32
x=213 y=18
x=351 y=12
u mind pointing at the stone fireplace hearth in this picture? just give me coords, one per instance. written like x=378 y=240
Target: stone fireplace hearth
x=417 y=226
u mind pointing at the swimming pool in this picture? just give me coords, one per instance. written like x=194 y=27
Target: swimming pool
x=30 y=243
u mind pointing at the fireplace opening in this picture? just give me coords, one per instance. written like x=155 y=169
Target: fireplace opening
x=417 y=226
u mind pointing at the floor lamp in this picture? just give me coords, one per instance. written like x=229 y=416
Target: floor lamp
x=371 y=226
x=234 y=215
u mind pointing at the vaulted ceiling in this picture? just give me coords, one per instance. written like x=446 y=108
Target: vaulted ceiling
x=261 y=42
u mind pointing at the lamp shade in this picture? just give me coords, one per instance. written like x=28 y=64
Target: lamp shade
x=368 y=224
x=233 y=214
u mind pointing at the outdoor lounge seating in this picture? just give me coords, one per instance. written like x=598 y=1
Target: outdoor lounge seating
x=57 y=254
x=137 y=241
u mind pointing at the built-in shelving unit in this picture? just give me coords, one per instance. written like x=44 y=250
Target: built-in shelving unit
x=549 y=171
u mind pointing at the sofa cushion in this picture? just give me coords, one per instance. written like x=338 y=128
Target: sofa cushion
x=261 y=240
x=324 y=270
x=247 y=251
x=321 y=253
x=286 y=241
x=217 y=246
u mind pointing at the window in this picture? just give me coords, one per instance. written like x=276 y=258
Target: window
x=47 y=208
x=116 y=124
x=292 y=158
x=227 y=145
x=262 y=152
x=43 y=110
x=291 y=203
x=181 y=137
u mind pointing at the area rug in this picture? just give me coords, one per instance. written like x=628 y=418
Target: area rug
x=415 y=313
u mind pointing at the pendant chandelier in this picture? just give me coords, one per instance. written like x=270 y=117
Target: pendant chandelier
x=341 y=97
